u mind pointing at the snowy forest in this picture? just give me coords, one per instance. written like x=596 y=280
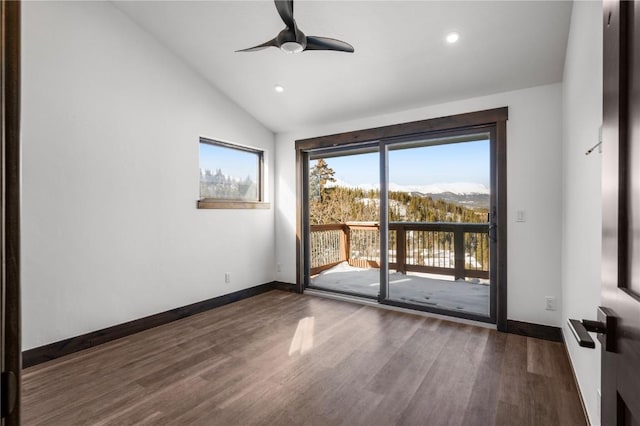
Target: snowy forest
x=338 y=204
x=218 y=185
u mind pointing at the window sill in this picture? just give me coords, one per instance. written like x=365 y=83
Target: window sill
x=215 y=204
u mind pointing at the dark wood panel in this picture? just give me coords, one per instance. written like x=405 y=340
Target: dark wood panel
x=499 y=191
x=209 y=204
x=620 y=372
x=303 y=243
x=74 y=344
x=538 y=331
x=280 y=285
x=285 y=358
x=611 y=177
x=467 y=120
x=10 y=210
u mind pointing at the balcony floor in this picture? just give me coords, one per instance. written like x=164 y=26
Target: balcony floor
x=421 y=289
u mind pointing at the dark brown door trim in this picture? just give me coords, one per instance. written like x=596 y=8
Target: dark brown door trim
x=620 y=289
x=493 y=118
x=470 y=119
x=10 y=211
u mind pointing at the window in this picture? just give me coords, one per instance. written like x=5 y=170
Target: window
x=230 y=176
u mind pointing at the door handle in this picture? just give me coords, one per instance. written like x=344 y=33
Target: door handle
x=491 y=231
x=605 y=327
x=581 y=334
x=492 y=226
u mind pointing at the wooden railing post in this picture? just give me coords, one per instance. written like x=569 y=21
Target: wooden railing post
x=345 y=249
x=401 y=245
x=458 y=247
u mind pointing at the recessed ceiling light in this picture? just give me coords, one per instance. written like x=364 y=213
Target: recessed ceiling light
x=452 y=37
x=278 y=88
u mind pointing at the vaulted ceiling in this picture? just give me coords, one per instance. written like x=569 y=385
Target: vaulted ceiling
x=401 y=58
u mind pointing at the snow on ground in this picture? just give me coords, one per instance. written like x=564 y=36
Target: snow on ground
x=441 y=293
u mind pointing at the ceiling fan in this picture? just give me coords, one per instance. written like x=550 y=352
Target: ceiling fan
x=292 y=40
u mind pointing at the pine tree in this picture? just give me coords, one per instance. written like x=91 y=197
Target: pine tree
x=319 y=176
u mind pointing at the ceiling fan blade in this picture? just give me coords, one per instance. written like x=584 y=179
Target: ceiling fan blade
x=270 y=43
x=285 y=10
x=324 y=43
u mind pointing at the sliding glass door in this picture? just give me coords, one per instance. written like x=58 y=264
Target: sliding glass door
x=411 y=220
x=438 y=201
x=343 y=213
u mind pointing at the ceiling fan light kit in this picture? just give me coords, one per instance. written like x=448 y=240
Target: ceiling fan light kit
x=292 y=40
x=291 y=47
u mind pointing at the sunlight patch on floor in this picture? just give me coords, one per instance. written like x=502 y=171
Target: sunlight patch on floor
x=303 y=338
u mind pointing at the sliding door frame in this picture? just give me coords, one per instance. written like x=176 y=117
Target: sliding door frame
x=10 y=317
x=491 y=121
x=444 y=138
x=305 y=243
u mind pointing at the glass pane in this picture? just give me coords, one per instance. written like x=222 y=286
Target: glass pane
x=227 y=173
x=438 y=225
x=344 y=210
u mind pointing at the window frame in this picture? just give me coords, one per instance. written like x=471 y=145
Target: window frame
x=224 y=203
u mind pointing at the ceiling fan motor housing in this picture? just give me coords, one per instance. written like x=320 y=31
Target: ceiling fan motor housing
x=291 y=41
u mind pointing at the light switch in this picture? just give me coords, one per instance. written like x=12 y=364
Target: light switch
x=520 y=216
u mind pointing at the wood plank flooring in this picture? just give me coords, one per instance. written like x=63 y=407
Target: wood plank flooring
x=287 y=359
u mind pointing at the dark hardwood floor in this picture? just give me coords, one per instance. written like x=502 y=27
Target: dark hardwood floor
x=286 y=359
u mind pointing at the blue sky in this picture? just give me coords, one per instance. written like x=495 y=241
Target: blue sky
x=233 y=162
x=449 y=163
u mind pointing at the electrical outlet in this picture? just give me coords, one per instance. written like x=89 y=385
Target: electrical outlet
x=227 y=277
x=550 y=303
x=278 y=268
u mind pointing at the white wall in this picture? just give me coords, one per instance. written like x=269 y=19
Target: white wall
x=581 y=221
x=110 y=229
x=534 y=151
x=111 y=121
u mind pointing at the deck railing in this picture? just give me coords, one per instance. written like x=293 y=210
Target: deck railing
x=458 y=249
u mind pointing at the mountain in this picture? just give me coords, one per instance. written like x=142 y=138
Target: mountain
x=467 y=194
x=457 y=188
x=475 y=200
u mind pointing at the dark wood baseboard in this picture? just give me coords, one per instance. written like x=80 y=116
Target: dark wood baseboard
x=545 y=332
x=280 y=285
x=61 y=348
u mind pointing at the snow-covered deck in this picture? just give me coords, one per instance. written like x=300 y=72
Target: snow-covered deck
x=456 y=295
